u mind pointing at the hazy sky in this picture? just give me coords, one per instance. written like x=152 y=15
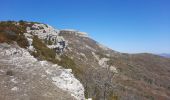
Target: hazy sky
x=124 y=25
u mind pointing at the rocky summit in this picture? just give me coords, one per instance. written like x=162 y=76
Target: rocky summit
x=39 y=62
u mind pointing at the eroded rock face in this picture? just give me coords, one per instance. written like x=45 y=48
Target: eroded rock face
x=47 y=34
x=24 y=77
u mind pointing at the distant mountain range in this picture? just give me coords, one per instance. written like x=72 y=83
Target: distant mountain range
x=165 y=55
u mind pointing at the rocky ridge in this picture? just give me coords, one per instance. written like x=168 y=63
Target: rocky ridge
x=68 y=64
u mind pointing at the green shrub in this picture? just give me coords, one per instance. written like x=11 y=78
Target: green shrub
x=113 y=97
x=148 y=80
x=48 y=42
x=21 y=22
x=22 y=41
x=101 y=55
x=9 y=72
x=43 y=52
x=10 y=32
x=67 y=62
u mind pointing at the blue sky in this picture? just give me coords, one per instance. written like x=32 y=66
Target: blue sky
x=130 y=26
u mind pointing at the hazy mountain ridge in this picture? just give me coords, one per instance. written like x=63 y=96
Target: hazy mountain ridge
x=103 y=73
x=165 y=55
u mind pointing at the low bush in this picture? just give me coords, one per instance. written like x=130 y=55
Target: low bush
x=43 y=52
x=10 y=32
x=69 y=63
x=9 y=72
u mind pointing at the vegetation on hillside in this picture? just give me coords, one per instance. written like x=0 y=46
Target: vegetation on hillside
x=44 y=53
x=12 y=31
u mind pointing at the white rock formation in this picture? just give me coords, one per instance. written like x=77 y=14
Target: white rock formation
x=76 y=32
x=21 y=61
x=48 y=34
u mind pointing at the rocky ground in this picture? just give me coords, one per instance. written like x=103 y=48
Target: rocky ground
x=23 y=77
